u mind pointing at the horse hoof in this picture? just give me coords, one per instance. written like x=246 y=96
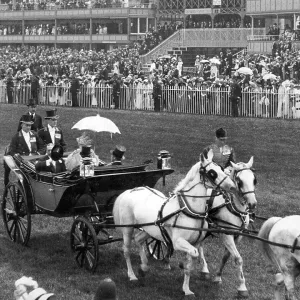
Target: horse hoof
x=217 y=280
x=133 y=283
x=191 y=296
x=205 y=276
x=181 y=265
x=243 y=294
x=141 y=273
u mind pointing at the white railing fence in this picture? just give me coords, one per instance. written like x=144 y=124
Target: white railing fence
x=189 y=100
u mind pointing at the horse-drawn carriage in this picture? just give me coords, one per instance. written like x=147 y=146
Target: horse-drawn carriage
x=88 y=199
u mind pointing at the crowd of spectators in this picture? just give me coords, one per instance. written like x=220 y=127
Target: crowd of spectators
x=154 y=37
x=67 y=27
x=64 y=4
x=230 y=21
x=55 y=67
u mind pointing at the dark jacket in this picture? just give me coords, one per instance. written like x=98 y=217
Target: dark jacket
x=41 y=166
x=44 y=134
x=75 y=85
x=36 y=126
x=19 y=145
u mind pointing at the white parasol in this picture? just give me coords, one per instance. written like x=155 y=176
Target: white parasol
x=215 y=61
x=97 y=124
x=203 y=61
x=269 y=76
x=245 y=71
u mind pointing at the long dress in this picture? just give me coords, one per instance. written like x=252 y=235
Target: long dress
x=139 y=96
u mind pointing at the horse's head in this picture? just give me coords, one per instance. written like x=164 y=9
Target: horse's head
x=213 y=173
x=208 y=174
x=245 y=179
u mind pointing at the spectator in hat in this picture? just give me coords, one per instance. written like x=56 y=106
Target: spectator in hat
x=51 y=133
x=35 y=87
x=24 y=284
x=235 y=96
x=53 y=161
x=106 y=290
x=9 y=85
x=117 y=155
x=74 y=159
x=223 y=153
x=24 y=142
x=74 y=89
x=37 y=119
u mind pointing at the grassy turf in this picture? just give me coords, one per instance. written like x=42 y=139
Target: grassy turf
x=274 y=145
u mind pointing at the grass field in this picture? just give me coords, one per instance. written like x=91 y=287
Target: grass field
x=274 y=145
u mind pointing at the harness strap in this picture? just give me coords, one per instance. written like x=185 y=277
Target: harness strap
x=187 y=210
x=295 y=244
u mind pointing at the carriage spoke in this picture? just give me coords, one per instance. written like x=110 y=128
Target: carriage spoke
x=11 y=228
x=90 y=258
x=21 y=233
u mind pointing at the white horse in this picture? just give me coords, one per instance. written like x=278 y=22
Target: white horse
x=231 y=213
x=185 y=208
x=284 y=231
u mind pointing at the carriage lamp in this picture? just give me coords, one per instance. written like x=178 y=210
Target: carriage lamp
x=164 y=160
x=87 y=167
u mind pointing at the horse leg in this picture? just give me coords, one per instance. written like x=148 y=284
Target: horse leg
x=127 y=238
x=140 y=238
x=289 y=281
x=187 y=268
x=278 y=282
x=183 y=245
x=228 y=241
x=204 y=273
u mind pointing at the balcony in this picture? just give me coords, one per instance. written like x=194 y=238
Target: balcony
x=77 y=13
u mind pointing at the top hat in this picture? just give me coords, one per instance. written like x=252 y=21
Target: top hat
x=221 y=133
x=26 y=119
x=31 y=102
x=57 y=152
x=118 y=152
x=85 y=151
x=51 y=114
x=106 y=290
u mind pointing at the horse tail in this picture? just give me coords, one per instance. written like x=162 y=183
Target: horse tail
x=264 y=233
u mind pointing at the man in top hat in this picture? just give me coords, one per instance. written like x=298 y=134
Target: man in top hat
x=223 y=153
x=24 y=142
x=117 y=155
x=51 y=133
x=37 y=119
x=106 y=290
x=52 y=162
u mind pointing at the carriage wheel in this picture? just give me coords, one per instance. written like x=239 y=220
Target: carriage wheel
x=84 y=244
x=157 y=249
x=16 y=215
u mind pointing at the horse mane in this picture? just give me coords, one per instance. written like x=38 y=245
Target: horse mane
x=189 y=177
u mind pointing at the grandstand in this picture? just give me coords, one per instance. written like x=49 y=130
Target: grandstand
x=208 y=26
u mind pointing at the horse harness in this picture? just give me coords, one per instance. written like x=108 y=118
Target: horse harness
x=185 y=208
x=229 y=203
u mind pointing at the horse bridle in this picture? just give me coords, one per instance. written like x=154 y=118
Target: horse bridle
x=205 y=174
x=239 y=189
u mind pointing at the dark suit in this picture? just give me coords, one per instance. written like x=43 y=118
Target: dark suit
x=41 y=165
x=44 y=134
x=19 y=145
x=35 y=87
x=74 y=89
x=9 y=88
x=235 y=95
x=36 y=126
